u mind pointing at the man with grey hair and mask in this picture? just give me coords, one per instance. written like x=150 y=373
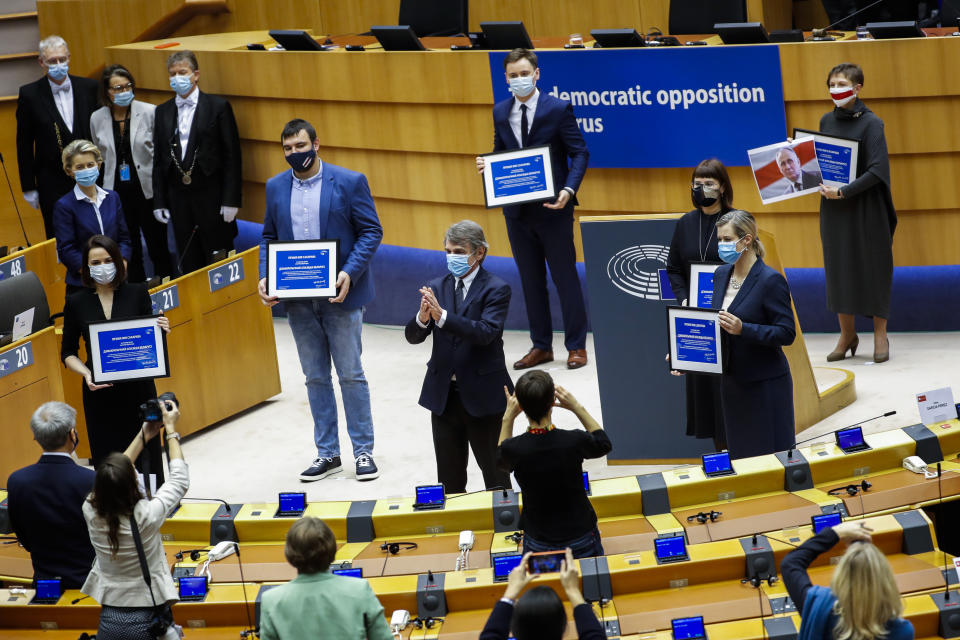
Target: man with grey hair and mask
x=45 y=500
x=52 y=112
x=465 y=310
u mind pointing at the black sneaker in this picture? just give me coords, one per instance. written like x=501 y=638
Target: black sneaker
x=366 y=469
x=321 y=468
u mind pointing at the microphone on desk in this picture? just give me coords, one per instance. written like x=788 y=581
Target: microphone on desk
x=220 y=500
x=498 y=487
x=820 y=35
x=855 y=424
x=946 y=579
x=14 y=199
x=183 y=254
x=250 y=630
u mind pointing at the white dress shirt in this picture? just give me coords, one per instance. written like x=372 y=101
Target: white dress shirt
x=467 y=281
x=186 y=109
x=101 y=196
x=515 y=114
x=63 y=98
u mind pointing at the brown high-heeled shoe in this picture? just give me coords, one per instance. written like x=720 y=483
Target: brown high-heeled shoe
x=840 y=354
x=882 y=356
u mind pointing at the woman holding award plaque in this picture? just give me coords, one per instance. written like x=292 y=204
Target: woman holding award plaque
x=757 y=322
x=695 y=241
x=112 y=410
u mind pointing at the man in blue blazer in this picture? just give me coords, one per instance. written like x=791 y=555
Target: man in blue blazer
x=463 y=388
x=319 y=201
x=45 y=500
x=544 y=232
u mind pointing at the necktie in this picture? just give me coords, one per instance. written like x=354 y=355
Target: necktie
x=798 y=187
x=61 y=88
x=458 y=297
x=523 y=125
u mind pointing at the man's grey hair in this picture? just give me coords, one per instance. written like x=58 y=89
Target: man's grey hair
x=52 y=42
x=466 y=232
x=787 y=150
x=51 y=424
x=183 y=56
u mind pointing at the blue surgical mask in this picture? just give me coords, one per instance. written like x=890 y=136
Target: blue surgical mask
x=58 y=71
x=103 y=273
x=87 y=177
x=728 y=251
x=522 y=86
x=458 y=264
x=181 y=84
x=123 y=99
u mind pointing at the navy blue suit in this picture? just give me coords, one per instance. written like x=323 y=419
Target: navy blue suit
x=45 y=502
x=75 y=222
x=537 y=234
x=470 y=347
x=757 y=388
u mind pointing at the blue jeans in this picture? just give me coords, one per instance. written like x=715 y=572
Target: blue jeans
x=323 y=331
x=586 y=546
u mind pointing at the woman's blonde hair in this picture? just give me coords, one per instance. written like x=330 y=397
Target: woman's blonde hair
x=867 y=594
x=77 y=147
x=743 y=223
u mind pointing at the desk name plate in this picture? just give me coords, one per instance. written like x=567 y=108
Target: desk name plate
x=226 y=274
x=12 y=268
x=165 y=299
x=15 y=359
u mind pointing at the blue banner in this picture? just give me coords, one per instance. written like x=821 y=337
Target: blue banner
x=128 y=349
x=673 y=107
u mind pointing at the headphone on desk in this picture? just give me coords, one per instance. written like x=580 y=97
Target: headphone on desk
x=194 y=554
x=756 y=580
x=851 y=489
x=394 y=547
x=427 y=622
x=702 y=517
x=516 y=537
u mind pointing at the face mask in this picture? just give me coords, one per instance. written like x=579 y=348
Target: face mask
x=841 y=95
x=458 y=264
x=123 y=99
x=302 y=160
x=87 y=177
x=522 y=86
x=728 y=251
x=181 y=84
x=705 y=196
x=103 y=273
x=58 y=71
x=76 y=439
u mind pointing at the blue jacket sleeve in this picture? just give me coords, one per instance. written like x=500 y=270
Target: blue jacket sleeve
x=576 y=148
x=490 y=325
x=588 y=627
x=68 y=248
x=269 y=232
x=780 y=329
x=793 y=568
x=366 y=225
x=498 y=624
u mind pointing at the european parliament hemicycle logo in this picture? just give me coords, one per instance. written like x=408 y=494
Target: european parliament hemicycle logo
x=640 y=271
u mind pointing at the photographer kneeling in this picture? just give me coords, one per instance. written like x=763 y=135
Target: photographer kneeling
x=547 y=463
x=116 y=512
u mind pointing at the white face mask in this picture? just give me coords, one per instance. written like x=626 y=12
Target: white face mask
x=103 y=273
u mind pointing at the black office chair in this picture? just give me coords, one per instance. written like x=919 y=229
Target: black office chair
x=18 y=294
x=699 y=16
x=434 y=17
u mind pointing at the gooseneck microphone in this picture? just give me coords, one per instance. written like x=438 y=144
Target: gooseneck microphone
x=183 y=254
x=820 y=35
x=220 y=500
x=250 y=630
x=14 y=199
x=946 y=579
x=855 y=424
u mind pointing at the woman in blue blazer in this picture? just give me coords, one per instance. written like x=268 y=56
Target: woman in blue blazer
x=85 y=212
x=757 y=320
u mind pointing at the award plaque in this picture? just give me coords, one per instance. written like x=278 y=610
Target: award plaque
x=701 y=284
x=302 y=269
x=128 y=349
x=695 y=342
x=837 y=156
x=518 y=177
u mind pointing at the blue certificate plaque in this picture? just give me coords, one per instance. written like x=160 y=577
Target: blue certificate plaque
x=518 y=176
x=695 y=341
x=701 y=284
x=128 y=349
x=302 y=269
x=836 y=155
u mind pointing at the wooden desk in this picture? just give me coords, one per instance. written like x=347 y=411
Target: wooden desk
x=653 y=610
x=438 y=554
x=745 y=517
x=41 y=259
x=897 y=488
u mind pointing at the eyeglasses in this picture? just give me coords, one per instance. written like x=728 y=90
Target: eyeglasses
x=121 y=87
x=706 y=183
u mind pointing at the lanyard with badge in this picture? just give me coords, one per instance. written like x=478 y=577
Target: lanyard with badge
x=124 y=166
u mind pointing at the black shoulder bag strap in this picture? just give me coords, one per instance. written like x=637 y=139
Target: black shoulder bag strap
x=143 y=558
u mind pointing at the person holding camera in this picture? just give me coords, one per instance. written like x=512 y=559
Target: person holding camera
x=120 y=520
x=548 y=465
x=539 y=613
x=111 y=409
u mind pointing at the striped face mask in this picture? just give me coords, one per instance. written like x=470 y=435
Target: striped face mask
x=842 y=95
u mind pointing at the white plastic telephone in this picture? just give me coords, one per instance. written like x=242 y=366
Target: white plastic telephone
x=917 y=465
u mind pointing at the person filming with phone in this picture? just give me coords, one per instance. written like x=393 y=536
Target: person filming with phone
x=547 y=463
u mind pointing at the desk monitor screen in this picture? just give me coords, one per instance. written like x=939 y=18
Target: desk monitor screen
x=826 y=520
x=397 y=38
x=688 y=628
x=295 y=40
x=900 y=29
x=670 y=549
x=292 y=503
x=851 y=439
x=717 y=464
x=354 y=572
x=503 y=565
x=193 y=588
x=586 y=482
x=741 y=32
x=609 y=38
x=430 y=496
x=507 y=35
x=48 y=591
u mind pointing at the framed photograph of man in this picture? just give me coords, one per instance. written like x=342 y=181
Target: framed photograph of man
x=786 y=170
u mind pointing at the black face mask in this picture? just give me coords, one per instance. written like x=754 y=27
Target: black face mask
x=700 y=199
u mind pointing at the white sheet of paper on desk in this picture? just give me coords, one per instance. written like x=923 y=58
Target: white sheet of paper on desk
x=23 y=324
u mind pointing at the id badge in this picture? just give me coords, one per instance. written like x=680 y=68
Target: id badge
x=124 y=172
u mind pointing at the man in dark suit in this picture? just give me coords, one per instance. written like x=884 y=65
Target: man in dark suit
x=51 y=112
x=196 y=171
x=463 y=388
x=544 y=232
x=790 y=168
x=45 y=500
x=313 y=201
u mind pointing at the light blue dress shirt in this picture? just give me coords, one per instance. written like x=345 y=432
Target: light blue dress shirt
x=305 y=206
